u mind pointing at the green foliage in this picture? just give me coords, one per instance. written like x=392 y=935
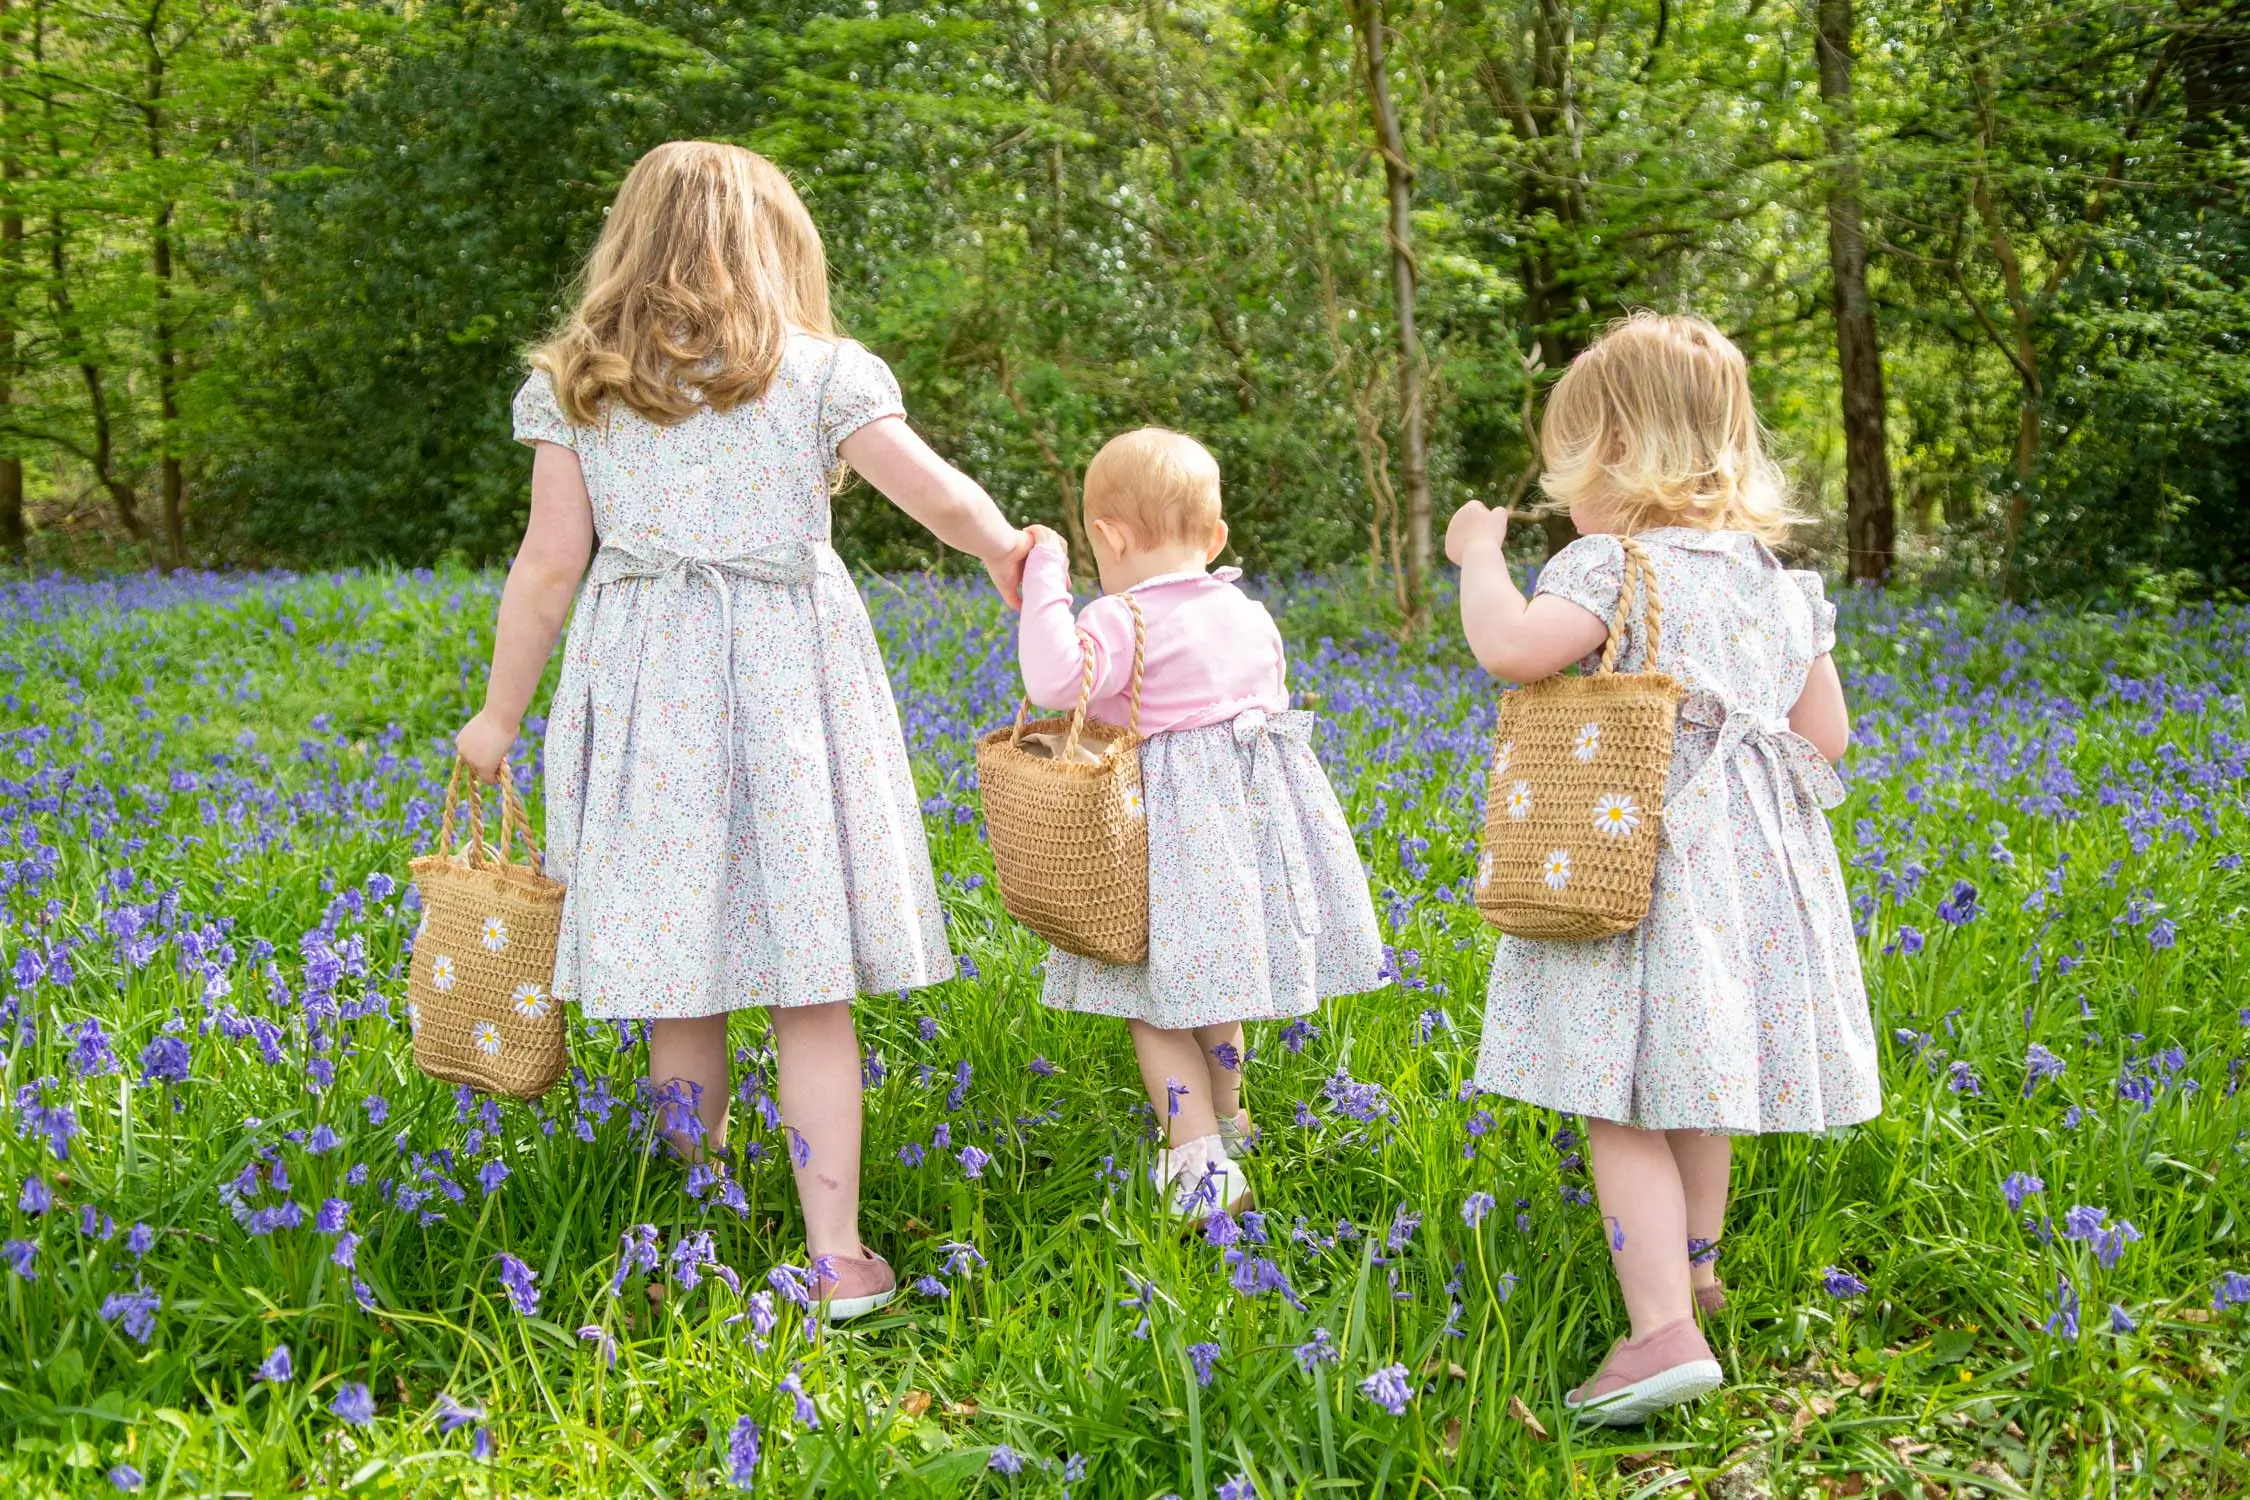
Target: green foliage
x=1064 y=219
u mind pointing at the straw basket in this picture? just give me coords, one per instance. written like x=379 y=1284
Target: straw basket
x=477 y=995
x=1575 y=798
x=1069 y=835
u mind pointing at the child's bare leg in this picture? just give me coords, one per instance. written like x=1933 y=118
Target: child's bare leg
x=1222 y=1067
x=1704 y=1162
x=818 y=1090
x=1644 y=1214
x=1179 y=1090
x=693 y=1052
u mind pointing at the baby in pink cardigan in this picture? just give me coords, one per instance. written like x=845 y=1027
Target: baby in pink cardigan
x=1258 y=902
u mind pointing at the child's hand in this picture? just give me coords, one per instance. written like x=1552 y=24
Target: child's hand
x=1042 y=536
x=1471 y=524
x=484 y=743
x=1006 y=569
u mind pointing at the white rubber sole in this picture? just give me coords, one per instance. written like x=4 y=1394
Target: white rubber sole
x=844 y=1309
x=1635 y=1403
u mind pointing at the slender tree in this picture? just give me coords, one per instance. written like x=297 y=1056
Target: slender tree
x=1870 y=526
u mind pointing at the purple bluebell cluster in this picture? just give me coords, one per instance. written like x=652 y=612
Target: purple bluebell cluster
x=204 y=929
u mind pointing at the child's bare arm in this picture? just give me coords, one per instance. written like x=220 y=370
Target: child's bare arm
x=1514 y=638
x=533 y=604
x=1819 y=713
x=953 y=507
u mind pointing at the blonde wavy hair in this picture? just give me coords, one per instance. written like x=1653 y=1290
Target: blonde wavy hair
x=1163 y=484
x=1653 y=425
x=705 y=263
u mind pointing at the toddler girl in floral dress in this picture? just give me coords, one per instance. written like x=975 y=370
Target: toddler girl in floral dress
x=728 y=795
x=1258 y=903
x=1736 y=1006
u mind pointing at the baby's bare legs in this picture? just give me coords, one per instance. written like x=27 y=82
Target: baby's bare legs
x=818 y=1090
x=1704 y=1162
x=1644 y=1213
x=1175 y=1073
x=1219 y=1044
x=693 y=1052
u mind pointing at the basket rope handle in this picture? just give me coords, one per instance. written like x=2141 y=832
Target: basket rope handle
x=515 y=826
x=1086 y=684
x=1639 y=583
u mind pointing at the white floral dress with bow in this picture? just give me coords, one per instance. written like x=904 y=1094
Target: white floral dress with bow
x=728 y=795
x=1257 y=901
x=1737 y=1004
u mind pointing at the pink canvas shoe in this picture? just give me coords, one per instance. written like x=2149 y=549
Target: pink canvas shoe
x=853 y=1284
x=1642 y=1376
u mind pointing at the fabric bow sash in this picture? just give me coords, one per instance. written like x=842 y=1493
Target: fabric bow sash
x=1766 y=750
x=782 y=562
x=1255 y=730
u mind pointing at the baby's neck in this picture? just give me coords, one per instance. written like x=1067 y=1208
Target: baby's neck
x=1157 y=562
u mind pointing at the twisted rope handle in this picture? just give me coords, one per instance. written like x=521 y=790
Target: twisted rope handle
x=1086 y=684
x=1639 y=584
x=515 y=826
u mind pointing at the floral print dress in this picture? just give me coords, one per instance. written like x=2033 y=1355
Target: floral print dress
x=729 y=801
x=1737 y=1004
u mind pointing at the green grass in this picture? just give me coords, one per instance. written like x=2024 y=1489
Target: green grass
x=312 y=716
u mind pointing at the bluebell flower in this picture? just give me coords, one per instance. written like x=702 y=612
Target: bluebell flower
x=1389 y=1388
x=930 y=1286
x=2063 y=1321
x=742 y=1453
x=2039 y=1065
x=2017 y=1186
x=1238 y=1488
x=521 y=1284
x=125 y=1477
x=1005 y=1460
x=1041 y=1068
x=1842 y=1284
x=20 y=1255
x=2231 y=1290
x=277 y=1369
x=1205 y=1359
x=134 y=1311
x=36 y=1197
x=605 y=1343
x=792 y=1386
x=973 y=1161
x=1320 y=1349
x=355 y=1403
x=452 y=1416
x=2120 y=1321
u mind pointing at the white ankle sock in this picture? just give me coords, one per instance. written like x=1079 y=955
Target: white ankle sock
x=1188 y=1161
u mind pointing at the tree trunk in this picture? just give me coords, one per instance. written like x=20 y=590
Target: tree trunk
x=1399 y=176
x=1870 y=522
x=167 y=351
x=14 y=534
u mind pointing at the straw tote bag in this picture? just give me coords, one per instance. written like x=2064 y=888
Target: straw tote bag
x=1062 y=809
x=477 y=993
x=1575 y=798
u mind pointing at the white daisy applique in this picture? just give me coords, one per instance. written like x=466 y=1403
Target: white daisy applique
x=1502 y=756
x=1134 y=807
x=494 y=936
x=1484 y=870
x=1558 y=869
x=485 y=1036
x=1589 y=743
x=442 y=973
x=413 y=1019
x=1519 y=800
x=1617 y=814
x=532 y=1001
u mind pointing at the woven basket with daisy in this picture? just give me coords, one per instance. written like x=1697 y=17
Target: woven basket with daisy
x=477 y=995
x=1576 y=793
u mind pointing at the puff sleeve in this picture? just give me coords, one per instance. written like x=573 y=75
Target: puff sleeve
x=539 y=416
x=859 y=389
x=1823 y=612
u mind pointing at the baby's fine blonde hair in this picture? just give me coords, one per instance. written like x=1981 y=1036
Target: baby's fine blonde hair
x=1654 y=425
x=1163 y=484
x=705 y=263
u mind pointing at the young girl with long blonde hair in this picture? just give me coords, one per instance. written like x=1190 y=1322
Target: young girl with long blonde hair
x=728 y=795
x=1736 y=1006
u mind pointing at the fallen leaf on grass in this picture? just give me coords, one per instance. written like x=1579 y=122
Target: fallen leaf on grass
x=1527 y=1417
x=1452 y=1437
x=1906 y=1447
x=1815 y=1408
x=1435 y=1366
x=916 y=1403
x=960 y=1408
x=2195 y=1314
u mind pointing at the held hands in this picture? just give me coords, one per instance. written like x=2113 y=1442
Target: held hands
x=1042 y=536
x=1471 y=524
x=1006 y=568
x=483 y=745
